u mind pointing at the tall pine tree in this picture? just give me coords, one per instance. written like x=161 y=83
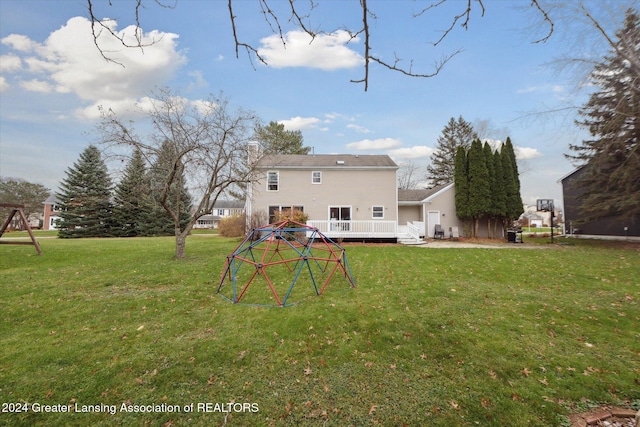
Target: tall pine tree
x=491 y=212
x=276 y=140
x=612 y=115
x=512 y=183
x=132 y=199
x=455 y=134
x=461 y=184
x=499 y=197
x=85 y=198
x=479 y=184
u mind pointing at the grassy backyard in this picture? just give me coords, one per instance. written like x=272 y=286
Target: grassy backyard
x=439 y=337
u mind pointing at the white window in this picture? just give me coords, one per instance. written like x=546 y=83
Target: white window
x=316 y=177
x=377 y=212
x=220 y=212
x=275 y=210
x=273 y=181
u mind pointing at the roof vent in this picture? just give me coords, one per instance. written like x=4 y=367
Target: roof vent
x=339 y=162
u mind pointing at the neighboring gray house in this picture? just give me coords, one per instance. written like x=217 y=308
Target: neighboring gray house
x=611 y=227
x=345 y=196
x=221 y=209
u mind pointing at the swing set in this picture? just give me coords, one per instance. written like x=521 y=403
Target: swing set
x=19 y=210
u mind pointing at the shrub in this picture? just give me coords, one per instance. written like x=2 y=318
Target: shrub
x=291 y=215
x=232 y=226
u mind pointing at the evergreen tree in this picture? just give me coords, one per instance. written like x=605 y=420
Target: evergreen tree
x=513 y=201
x=612 y=180
x=491 y=212
x=85 y=198
x=276 y=140
x=479 y=184
x=455 y=134
x=177 y=201
x=132 y=199
x=461 y=183
x=499 y=197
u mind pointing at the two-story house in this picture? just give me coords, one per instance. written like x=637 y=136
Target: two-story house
x=51 y=211
x=353 y=197
x=221 y=209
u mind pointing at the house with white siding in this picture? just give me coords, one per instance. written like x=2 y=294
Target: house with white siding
x=352 y=197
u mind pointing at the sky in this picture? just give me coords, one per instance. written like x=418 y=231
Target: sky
x=53 y=78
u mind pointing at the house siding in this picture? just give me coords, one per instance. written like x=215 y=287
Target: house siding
x=359 y=189
x=444 y=204
x=611 y=226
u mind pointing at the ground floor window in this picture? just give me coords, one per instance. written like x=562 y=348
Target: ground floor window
x=280 y=209
x=377 y=212
x=340 y=214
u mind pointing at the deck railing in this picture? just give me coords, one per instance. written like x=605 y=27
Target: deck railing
x=356 y=229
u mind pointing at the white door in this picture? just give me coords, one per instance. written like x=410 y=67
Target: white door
x=433 y=218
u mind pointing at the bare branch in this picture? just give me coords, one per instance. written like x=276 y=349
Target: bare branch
x=100 y=25
x=466 y=14
x=546 y=19
x=239 y=44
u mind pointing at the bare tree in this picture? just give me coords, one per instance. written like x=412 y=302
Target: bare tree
x=299 y=15
x=408 y=177
x=586 y=30
x=208 y=145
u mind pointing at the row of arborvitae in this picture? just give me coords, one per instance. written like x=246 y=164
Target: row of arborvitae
x=487 y=186
x=91 y=207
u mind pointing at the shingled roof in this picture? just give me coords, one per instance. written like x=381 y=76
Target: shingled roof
x=283 y=161
x=418 y=195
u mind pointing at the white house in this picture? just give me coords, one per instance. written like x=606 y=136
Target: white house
x=221 y=209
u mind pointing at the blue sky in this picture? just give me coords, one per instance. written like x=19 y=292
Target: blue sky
x=52 y=79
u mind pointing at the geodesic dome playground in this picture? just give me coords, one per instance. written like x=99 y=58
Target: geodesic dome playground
x=283 y=261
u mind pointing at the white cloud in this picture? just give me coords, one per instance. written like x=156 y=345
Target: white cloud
x=10 y=63
x=299 y=123
x=330 y=117
x=69 y=61
x=198 y=81
x=415 y=152
x=358 y=128
x=375 y=144
x=19 y=42
x=325 y=51
x=36 y=85
x=525 y=153
x=3 y=84
x=528 y=89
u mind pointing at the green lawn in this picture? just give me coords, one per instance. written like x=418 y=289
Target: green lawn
x=442 y=337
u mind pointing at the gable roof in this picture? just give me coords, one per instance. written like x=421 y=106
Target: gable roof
x=422 y=196
x=228 y=204
x=324 y=161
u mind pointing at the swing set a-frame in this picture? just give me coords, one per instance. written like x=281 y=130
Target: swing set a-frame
x=18 y=210
x=302 y=249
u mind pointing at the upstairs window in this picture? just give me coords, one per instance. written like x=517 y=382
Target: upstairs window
x=377 y=212
x=316 y=177
x=273 y=181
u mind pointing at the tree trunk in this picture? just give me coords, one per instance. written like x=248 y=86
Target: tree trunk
x=489 y=227
x=476 y=226
x=181 y=242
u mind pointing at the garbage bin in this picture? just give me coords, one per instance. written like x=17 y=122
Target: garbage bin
x=511 y=236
